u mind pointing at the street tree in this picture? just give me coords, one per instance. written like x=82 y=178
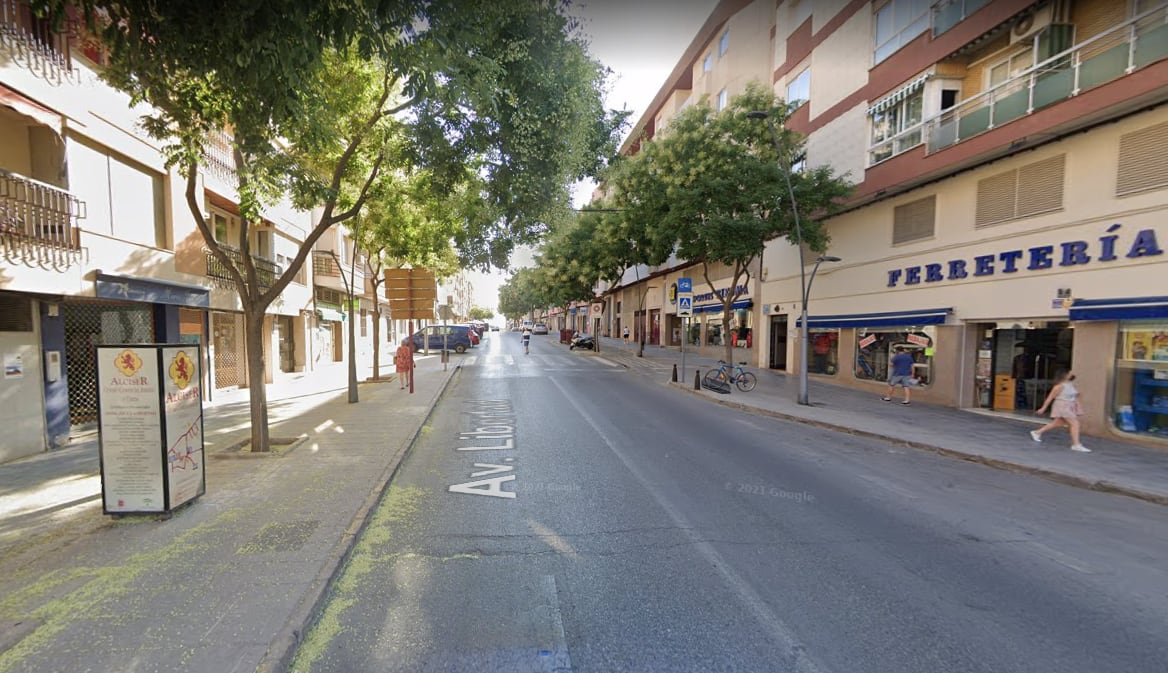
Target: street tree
x=481 y=313
x=715 y=184
x=315 y=96
x=522 y=294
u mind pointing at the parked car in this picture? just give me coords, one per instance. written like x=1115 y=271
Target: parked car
x=540 y=328
x=456 y=337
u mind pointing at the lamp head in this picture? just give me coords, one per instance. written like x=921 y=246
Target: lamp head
x=829 y=258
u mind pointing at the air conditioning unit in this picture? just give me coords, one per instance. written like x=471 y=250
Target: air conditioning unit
x=1026 y=27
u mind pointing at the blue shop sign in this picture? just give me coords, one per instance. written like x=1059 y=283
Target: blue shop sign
x=1070 y=253
x=721 y=294
x=151 y=291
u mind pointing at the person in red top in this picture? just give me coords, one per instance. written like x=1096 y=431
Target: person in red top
x=403 y=362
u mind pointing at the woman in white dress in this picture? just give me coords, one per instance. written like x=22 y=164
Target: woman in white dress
x=1065 y=409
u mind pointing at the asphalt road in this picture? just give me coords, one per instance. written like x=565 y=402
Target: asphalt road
x=562 y=513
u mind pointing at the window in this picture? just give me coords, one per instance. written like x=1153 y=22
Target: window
x=263 y=244
x=1143 y=160
x=896 y=127
x=875 y=348
x=1141 y=378
x=799 y=89
x=949 y=13
x=714 y=329
x=123 y=199
x=364 y=325
x=219 y=227
x=724 y=43
x=1009 y=68
x=708 y=62
x=722 y=100
x=897 y=23
x=1030 y=190
x=824 y=346
x=914 y=221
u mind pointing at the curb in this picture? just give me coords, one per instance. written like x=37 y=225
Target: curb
x=282 y=647
x=997 y=463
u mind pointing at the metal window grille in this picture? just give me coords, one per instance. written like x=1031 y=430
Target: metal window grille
x=89 y=324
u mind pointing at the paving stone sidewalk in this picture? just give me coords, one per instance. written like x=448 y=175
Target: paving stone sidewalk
x=224 y=585
x=1114 y=464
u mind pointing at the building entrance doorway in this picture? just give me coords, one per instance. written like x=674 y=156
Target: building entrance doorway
x=1016 y=366
x=778 y=356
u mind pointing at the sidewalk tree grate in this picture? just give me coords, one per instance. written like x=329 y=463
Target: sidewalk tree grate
x=280 y=536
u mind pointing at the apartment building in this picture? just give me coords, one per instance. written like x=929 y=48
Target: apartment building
x=1009 y=158
x=97 y=245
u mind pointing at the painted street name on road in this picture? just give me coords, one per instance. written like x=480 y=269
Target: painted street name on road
x=494 y=430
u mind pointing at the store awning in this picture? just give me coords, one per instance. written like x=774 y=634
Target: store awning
x=1129 y=308
x=898 y=95
x=930 y=316
x=329 y=314
x=151 y=290
x=715 y=308
x=31 y=109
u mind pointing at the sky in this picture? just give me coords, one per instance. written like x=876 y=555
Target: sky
x=640 y=41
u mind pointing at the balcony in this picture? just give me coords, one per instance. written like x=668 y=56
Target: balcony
x=1129 y=46
x=327 y=273
x=34 y=43
x=219 y=156
x=267 y=271
x=38 y=222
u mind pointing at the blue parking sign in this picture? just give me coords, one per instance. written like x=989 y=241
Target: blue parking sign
x=685 y=285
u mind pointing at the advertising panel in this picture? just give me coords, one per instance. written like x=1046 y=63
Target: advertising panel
x=150 y=427
x=130 y=425
x=184 y=425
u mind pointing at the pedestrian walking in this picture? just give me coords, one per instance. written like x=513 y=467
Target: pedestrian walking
x=901 y=374
x=1065 y=409
x=625 y=334
x=526 y=340
x=403 y=362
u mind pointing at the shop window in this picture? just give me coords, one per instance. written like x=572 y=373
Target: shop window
x=875 y=348
x=824 y=347
x=741 y=328
x=1141 y=378
x=714 y=329
x=695 y=333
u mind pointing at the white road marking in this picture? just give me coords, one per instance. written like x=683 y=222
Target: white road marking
x=556 y=659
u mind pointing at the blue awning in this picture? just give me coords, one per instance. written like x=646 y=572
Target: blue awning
x=715 y=308
x=930 y=316
x=1129 y=308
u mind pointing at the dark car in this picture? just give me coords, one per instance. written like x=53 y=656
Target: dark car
x=434 y=337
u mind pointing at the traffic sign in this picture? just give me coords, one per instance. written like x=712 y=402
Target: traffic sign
x=684 y=285
x=685 y=305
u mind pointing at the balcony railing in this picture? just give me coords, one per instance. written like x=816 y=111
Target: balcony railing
x=219 y=156
x=38 y=222
x=33 y=41
x=267 y=271
x=1132 y=45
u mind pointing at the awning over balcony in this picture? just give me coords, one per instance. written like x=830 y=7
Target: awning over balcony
x=31 y=109
x=899 y=95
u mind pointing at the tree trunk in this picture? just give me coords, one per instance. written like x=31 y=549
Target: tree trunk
x=352 y=353
x=258 y=390
x=376 y=339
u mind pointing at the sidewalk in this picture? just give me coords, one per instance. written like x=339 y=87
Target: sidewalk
x=1114 y=465
x=225 y=584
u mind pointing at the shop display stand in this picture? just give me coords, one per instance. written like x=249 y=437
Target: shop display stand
x=1150 y=402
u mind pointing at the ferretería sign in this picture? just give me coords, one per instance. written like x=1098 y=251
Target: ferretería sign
x=1107 y=248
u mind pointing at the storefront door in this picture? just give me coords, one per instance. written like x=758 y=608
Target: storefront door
x=778 y=357
x=655 y=327
x=1021 y=364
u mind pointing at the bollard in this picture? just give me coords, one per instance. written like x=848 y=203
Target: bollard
x=675 y=372
x=697 y=379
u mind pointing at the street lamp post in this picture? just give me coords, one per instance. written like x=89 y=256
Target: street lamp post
x=804 y=284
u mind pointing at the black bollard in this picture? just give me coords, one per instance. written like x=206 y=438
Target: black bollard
x=697 y=379
x=675 y=372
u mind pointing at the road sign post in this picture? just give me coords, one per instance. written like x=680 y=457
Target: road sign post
x=684 y=310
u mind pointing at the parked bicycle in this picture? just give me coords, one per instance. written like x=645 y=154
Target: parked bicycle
x=728 y=373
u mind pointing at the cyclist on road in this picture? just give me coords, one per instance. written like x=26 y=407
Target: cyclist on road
x=527 y=340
